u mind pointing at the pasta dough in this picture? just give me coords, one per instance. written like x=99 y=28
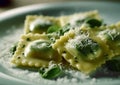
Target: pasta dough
x=81 y=39
x=72 y=19
x=39 y=24
x=21 y=59
x=111 y=37
x=66 y=47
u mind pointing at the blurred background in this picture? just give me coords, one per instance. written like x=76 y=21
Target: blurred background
x=11 y=4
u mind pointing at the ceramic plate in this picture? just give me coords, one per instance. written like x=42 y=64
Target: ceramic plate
x=11 y=27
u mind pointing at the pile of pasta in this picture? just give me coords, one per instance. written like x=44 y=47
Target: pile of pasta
x=81 y=39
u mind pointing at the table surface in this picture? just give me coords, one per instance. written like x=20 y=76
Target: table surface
x=20 y=3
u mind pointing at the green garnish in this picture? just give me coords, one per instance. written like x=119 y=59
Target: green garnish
x=52 y=72
x=93 y=22
x=113 y=65
x=64 y=29
x=54 y=32
x=53 y=28
x=13 y=48
x=88 y=48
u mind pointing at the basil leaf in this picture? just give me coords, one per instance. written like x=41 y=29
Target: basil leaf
x=51 y=72
x=93 y=22
x=53 y=28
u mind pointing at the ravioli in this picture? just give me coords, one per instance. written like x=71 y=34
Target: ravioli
x=81 y=39
x=77 y=17
x=34 y=58
x=39 y=23
x=111 y=36
x=84 y=62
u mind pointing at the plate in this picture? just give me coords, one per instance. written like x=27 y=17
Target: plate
x=11 y=27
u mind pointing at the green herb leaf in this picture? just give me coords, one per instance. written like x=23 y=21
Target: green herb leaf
x=93 y=22
x=13 y=48
x=53 y=28
x=113 y=65
x=64 y=29
x=51 y=72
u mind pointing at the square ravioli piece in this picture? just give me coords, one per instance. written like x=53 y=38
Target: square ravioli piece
x=78 y=17
x=39 y=23
x=82 y=51
x=111 y=36
x=34 y=50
